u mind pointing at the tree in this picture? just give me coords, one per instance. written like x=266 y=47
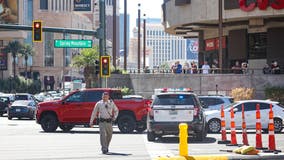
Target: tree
x=87 y=61
x=26 y=51
x=13 y=47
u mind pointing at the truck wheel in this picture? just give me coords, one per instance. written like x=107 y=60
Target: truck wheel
x=49 y=123
x=126 y=124
x=151 y=136
x=66 y=128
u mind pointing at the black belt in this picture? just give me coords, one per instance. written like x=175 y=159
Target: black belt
x=109 y=120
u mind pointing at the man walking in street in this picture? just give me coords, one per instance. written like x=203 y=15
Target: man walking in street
x=106 y=112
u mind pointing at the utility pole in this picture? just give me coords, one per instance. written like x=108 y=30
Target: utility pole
x=144 y=41
x=114 y=34
x=139 y=32
x=102 y=34
x=125 y=36
x=220 y=35
x=63 y=65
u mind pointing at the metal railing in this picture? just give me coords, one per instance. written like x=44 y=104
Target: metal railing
x=200 y=71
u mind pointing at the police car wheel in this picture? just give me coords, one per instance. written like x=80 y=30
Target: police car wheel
x=151 y=136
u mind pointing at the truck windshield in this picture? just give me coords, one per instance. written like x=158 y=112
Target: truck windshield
x=116 y=94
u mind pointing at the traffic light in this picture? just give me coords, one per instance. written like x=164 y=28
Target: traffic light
x=37 y=31
x=97 y=67
x=105 y=66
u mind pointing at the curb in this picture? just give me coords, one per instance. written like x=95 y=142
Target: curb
x=225 y=157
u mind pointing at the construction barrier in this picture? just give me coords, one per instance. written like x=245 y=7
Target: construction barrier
x=258 y=136
x=233 y=130
x=244 y=127
x=223 y=128
x=271 y=136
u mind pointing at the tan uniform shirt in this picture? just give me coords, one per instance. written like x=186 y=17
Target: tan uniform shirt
x=101 y=111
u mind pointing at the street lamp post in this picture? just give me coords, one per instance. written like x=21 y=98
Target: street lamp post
x=220 y=34
x=114 y=35
x=125 y=35
x=139 y=30
x=144 y=41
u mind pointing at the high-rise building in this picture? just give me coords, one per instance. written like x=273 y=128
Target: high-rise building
x=162 y=47
x=109 y=24
x=121 y=37
x=48 y=63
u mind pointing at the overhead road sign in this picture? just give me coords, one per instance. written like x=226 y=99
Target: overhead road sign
x=83 y=5
x=72 y=43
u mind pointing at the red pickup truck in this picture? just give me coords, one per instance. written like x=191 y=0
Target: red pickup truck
x=76 y=109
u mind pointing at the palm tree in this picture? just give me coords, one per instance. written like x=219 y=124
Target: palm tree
x=87 y=61
x=13 y=47
x=26 y=51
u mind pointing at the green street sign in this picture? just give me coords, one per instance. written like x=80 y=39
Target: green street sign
x=72 y=43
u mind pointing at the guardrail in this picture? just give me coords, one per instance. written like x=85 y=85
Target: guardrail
x=200 y=71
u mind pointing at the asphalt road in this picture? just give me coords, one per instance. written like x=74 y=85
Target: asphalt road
x=25 y=140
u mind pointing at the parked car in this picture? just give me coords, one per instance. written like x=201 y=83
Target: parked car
x=170 y=109
x=214 y=102
x=4 y=104
x=24 y=96
x=213 y=118
x=22 y=109
x=76 y=109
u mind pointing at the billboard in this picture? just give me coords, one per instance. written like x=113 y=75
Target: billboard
x=83 y=5
x=3 y=60
x=192 y=49
x=9 y=11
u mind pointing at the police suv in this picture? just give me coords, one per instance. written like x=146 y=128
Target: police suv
x=171 y=107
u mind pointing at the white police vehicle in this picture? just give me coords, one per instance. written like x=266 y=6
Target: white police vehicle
x=171 y=107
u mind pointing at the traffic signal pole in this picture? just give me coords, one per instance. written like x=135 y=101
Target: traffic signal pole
x=50 y=29
x=102 y=38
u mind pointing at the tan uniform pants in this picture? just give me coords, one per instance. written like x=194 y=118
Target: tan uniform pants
x=105 y=134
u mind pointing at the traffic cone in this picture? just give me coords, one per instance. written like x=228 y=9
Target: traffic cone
x=258 y=137
x=223 y=128
x=271 y=136
x=244 y=127
x=233 y=130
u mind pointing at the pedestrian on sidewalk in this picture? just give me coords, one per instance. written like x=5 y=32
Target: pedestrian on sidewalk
x=105 y=112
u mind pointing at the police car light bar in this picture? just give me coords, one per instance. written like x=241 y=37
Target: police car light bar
x=166 y=90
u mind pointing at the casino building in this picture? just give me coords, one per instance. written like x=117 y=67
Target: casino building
x=253 y=30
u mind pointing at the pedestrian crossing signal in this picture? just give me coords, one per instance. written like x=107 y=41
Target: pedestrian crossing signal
x=37 y=31
x=105 y=66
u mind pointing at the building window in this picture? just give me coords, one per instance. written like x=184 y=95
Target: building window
x=257 y=45
x=49 y=50
x=44 y=4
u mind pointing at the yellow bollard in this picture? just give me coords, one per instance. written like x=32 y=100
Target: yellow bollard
x=183 y=134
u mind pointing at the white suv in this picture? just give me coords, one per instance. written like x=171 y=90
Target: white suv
x=168 y=110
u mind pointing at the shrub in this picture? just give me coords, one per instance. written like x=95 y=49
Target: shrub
x=242 y=93
x=125 y=90
x=275 y=93
x=20 y=85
